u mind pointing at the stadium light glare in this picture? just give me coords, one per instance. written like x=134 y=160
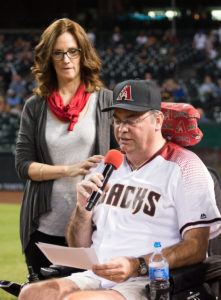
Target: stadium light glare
x=170 y=14
x=151 y=14
x=196 y=16
x=216 y=14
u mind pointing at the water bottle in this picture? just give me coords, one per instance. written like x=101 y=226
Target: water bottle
x=159 y=275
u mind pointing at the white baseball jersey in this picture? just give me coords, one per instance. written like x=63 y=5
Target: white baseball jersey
x=159 y=201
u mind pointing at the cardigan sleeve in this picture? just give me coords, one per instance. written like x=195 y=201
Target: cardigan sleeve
x=25 y=152
x=31 y=146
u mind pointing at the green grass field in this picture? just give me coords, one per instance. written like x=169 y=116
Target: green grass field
x=12 y=266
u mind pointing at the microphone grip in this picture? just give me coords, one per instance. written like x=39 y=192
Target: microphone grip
x=96 y=194
x=93 y=199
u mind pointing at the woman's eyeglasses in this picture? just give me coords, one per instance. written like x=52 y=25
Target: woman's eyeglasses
x=71 y=53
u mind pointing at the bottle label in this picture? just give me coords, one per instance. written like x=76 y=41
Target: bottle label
x=158 y=273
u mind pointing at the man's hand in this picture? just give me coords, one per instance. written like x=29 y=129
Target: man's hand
x=117 y=269
x=87 y=186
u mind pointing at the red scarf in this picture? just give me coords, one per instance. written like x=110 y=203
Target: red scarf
x=71 y=111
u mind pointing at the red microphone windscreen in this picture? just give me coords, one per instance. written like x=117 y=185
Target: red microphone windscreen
x=114 y=158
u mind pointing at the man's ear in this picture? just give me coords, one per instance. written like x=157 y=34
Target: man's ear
x=159 y=120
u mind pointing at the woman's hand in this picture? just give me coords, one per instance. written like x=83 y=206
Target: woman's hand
x=40 y=172
x=82 y=168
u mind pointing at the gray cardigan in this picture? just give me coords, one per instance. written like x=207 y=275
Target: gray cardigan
x=31 y=146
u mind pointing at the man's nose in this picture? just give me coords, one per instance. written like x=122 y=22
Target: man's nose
x=123 y=127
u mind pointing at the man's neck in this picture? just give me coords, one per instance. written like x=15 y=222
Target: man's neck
x=137 y=159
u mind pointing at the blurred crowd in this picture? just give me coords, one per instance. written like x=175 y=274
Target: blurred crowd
x=187 y=68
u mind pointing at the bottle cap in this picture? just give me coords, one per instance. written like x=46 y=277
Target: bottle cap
x=157 y=245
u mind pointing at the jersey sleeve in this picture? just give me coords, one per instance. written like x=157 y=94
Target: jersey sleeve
x=195 y=198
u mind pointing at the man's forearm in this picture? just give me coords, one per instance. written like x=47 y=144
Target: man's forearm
x=79 y=230
x=187 y=252
x=191 y=250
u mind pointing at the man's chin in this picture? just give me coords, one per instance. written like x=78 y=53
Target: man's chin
x=124 y=148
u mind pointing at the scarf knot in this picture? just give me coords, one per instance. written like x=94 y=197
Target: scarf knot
x=66 y=108
x=70 y=112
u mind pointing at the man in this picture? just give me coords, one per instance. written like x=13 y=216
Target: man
x=161 y=192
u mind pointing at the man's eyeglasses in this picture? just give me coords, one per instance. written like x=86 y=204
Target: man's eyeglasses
x=130 y=122
x=71 y=53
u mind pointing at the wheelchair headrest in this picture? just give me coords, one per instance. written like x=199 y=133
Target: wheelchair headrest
x=181 y=123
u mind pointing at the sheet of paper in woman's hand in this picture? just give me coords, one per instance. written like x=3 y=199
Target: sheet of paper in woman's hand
x=83 y=258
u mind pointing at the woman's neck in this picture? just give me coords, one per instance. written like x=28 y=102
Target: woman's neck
x=68 y=90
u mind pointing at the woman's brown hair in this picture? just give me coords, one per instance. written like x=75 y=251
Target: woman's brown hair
x=43 y=70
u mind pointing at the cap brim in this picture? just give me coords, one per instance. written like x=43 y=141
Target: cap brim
x=127 y=107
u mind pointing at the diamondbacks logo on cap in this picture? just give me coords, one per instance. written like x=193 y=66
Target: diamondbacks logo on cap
x=125 y=94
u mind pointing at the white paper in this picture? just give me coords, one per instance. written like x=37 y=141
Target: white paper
x=82 y=258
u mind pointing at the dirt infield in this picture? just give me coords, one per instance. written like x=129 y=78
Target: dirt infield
x=10 y=197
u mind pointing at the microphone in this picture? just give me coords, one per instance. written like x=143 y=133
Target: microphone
x=113 y=160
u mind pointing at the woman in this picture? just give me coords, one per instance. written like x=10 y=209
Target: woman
x=61 y=125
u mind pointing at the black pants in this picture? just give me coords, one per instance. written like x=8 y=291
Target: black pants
x=34 y=256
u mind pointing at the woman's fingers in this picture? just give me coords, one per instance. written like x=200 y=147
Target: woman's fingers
x=91 y=162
